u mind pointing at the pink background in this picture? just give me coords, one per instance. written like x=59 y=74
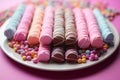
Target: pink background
x=106 y=70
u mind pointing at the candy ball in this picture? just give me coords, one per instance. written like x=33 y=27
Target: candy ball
x=87 y=52
x=24 y=57
x=101 y=51
x=29 y=58
x=91 y=58
x=84 y=60
x=106 y=46
x=9 y=43
x=83 y=50
x=105 y=49
x=79 y=51
x=79 y=60
x=15 y=45
x=83 y=56
x=15 y=49
x=92 y=55
x=96 y=57
x=93 y=52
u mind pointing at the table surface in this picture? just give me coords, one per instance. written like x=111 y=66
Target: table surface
x=106 y=70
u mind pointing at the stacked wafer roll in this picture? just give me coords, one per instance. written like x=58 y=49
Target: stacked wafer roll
x=47 y=27
x=14 y=22
x=103 y=26
x=58 y=33
x=43 y=54
x=70 y=30
x=81 y=27
x=94 y=32
x=22 y=30
x=46 y=36
x=35 y=30
x=57 y=54
x=71 y=54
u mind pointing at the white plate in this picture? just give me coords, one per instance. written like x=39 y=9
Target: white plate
x=52 y=66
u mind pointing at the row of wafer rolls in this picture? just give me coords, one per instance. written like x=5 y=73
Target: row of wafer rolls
x=67 y=27
x=64 y=28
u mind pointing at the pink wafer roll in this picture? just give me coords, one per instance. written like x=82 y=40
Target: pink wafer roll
x=82 y=30
x=23 y=27
x=35 y=30
x=47 y=28
x=43 y=54
x=94 y=32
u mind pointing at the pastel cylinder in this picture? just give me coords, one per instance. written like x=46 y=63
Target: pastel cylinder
x=58 y=31
x=70 y=30
x=35 y=30
x=82 y=28
x=14 y=22
x=44 y=53
x=47 y=27
x=94 y=32
x=23 y=28
x=103 y=26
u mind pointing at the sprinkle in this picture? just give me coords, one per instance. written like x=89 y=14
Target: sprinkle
x=84 y=60
x=101 y=51
x=79 y=51
x=9 y=43
x=96 y=57
x=83 y=50
x=79 y=60
x=106 y=46
x=83 y=56
x=15 y=49
x=105 y=49
x=91 y=59
x=87 y=52
x=24 y=58
x=29 y=58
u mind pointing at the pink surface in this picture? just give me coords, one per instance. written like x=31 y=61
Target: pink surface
x=6 y=4
x=106 y=70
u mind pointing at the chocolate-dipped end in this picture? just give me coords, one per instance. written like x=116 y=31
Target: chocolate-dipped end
x=58 y=40
x=70 y=39
x=57 y=55
x=71 y=55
